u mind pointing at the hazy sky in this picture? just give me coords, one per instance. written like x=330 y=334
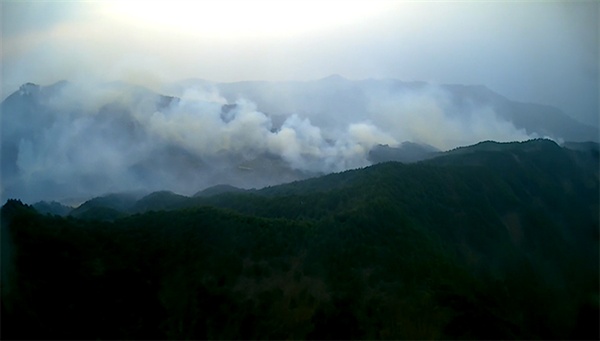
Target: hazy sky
x=529 y=51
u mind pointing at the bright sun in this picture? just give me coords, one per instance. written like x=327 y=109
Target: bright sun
x=238 y=19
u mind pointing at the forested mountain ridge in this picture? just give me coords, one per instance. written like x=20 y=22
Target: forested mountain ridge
x=518 y=164
x=484 y=242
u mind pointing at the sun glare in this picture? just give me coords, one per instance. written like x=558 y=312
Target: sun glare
x=239 y=19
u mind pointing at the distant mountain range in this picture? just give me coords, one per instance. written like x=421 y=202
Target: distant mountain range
x=82 y=140
x=336 y=94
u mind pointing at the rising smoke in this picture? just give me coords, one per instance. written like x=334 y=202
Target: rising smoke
x=81 y=140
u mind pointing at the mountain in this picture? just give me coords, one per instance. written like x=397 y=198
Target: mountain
x=106 y=207
x=217 y=189
x=100 y=138
x=536 y=159
x=353 y=97
x=494 y=240
x=162 y=200
x=543 y=120
x=53 y=207
x=589 y=146
x=407 y=152
x=69 y=140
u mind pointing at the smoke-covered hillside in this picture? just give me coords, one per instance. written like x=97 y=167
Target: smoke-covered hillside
x=70 y=141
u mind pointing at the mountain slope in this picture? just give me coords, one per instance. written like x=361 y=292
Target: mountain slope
x=497 y=240
x=70 y=140
x=217 y=189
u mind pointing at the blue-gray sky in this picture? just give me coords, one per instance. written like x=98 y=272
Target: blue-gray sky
x=530 y=51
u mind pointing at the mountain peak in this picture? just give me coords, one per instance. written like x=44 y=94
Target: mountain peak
x=218 y=189
x=28 y=89
x=334 y=78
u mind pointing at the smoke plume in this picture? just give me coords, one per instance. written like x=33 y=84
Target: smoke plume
x=74 y=141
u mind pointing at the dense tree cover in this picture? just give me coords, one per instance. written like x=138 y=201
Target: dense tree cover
x=497 y=241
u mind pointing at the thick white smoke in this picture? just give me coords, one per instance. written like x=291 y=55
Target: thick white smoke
x=78 y=141
x=200 y=126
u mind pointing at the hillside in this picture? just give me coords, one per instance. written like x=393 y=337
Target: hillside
x=495 y=240
x=83 y=140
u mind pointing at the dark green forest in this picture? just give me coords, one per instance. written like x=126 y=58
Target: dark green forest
x=491 y=241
